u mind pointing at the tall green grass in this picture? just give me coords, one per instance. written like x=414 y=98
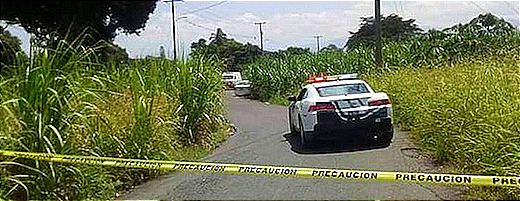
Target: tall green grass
x=467 y=115
x=64 y=101
x=275 y=78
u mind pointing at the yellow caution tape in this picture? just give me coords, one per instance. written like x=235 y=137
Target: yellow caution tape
x=406 y=177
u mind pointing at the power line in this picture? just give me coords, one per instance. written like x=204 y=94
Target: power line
x=219 y=18
x=210 y=29
x=481 y=9
x=204 y=8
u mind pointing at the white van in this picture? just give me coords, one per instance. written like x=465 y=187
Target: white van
x=231 y=78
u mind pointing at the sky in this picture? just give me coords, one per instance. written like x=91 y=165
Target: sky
x=288 y=23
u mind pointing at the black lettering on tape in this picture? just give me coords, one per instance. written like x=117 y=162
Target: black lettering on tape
x=467 y=180
x=412 y=177
x=458 y=179
x=327 y=173
x=356 y=174
x=334 y=174
x=406 y=177
x=504 y=181
x=264 y=171
x=277 y=171
x=398 y=176
x=341 y=174
x=420 y=177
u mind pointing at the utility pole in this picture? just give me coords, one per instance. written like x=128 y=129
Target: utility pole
x=261 y=33
x=318 y=44
x=173 y=25
x=379 y=51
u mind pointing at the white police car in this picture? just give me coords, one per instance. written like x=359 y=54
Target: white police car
x=332 y=107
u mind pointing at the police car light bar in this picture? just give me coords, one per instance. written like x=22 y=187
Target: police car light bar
x=348 y=76
x=315 y=79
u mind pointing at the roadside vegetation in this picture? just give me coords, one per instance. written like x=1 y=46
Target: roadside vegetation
x=457 y=90
x=64 y=100
x=466 y=116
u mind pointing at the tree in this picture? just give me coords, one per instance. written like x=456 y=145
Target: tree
x=70 y=18
x=9 y=47
x=112 y=53
x=485 y=23
x=233 y=53
x=393 y=27
x=218 y=38
x=330 y=48
x=295 y=50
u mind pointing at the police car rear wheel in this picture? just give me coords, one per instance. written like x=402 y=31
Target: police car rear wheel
x=303 y=138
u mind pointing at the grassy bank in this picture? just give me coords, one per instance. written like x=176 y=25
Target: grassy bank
x=466 y=115
x=64 y=101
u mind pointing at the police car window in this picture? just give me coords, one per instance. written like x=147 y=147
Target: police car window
x=302 y=93
x=306 y=94
x=339 y=90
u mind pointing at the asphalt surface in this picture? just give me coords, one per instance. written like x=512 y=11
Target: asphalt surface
x=263 y=139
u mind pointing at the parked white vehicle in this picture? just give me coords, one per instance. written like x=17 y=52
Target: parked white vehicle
x=331 y=107
x=243 y=88
x=231 y=78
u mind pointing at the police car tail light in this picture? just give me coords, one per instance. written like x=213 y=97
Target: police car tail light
x=377 y=102
x=321 y=107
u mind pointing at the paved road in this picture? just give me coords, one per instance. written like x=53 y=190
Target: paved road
x=263 y=139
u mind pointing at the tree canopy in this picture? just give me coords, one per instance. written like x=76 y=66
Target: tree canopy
x=233 y=53
x=486 y=23
x=9 y=46
x=42 y=18
x=393 y=27
x=330 y=48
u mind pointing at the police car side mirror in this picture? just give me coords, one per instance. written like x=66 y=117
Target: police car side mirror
x=292 y=99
